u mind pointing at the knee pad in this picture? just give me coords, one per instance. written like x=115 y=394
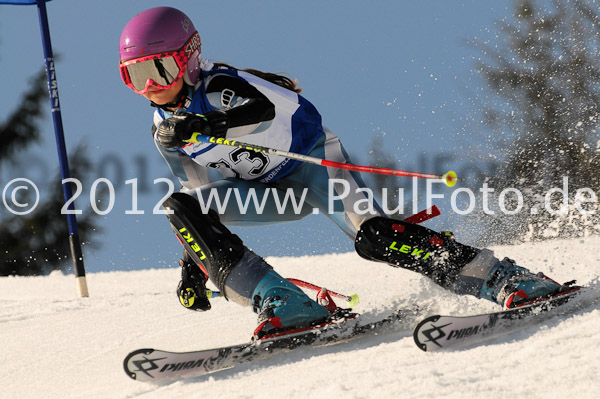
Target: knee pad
x=206 y=240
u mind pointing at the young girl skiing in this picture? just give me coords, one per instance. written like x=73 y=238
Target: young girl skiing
x=161 y=59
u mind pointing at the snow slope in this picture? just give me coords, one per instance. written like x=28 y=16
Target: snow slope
x=56 y=346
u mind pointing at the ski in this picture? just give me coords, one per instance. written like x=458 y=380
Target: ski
x=440 y=332
x=153 y=365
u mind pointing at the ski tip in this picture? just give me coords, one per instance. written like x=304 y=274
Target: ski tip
x=421 y=336
x=128 y=371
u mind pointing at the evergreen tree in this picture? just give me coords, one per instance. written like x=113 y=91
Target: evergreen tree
x=543 y=73
x=38 y=242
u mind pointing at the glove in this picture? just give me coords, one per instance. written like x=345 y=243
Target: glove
x=192 y=287
x=179 y=129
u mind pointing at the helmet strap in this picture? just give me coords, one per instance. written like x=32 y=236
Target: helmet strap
x=182 y=101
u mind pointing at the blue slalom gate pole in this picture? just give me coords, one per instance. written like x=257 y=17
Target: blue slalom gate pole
x=75 y=243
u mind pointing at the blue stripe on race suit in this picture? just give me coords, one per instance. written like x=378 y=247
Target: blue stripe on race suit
x=202 y=151
x=200 y=103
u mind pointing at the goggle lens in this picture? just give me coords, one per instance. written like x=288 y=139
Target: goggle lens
x=162 y=71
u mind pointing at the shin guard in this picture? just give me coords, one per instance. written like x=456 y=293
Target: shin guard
x=208 y=242
x=410 y=246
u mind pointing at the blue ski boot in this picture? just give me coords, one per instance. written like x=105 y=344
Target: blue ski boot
x=512 y=286
x=282 y=306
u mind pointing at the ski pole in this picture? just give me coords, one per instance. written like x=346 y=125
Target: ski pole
x=352 y=300
x=449 y=177
x=210 y=294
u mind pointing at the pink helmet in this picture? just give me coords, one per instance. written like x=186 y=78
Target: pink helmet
x=159 y=30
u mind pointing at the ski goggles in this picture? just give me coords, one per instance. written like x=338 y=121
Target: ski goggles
x=159 y=70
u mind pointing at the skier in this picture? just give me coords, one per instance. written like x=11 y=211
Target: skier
x=161 y=59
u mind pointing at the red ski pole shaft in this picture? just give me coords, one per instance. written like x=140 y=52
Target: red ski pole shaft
x=351 y=299
x=310 y=286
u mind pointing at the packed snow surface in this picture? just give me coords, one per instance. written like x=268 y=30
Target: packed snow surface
x=57 y=346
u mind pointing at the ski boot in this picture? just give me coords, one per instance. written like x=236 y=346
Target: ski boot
x=513 y=286
x=282 y=307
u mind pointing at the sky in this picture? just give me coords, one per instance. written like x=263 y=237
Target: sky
x=397 y=70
